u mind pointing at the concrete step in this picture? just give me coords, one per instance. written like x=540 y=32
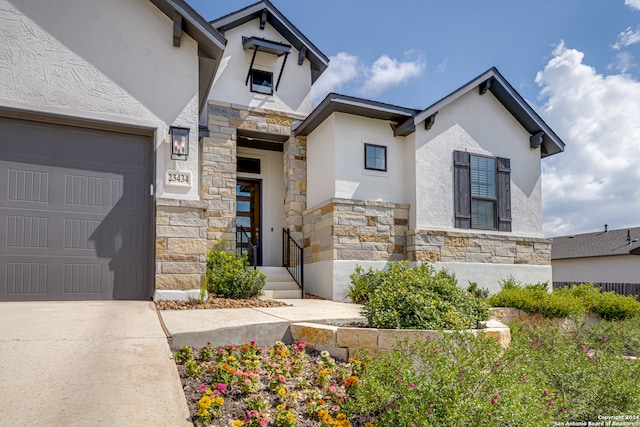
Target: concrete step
x=279 y=284
x=281 y=294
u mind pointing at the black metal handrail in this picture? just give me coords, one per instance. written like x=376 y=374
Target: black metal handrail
x=293 y=258
x=253 y=255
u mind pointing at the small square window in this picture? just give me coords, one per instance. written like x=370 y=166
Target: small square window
x=261 y=82
x=375 y=157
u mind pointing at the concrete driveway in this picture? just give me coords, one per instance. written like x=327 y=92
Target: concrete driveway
x=102 y=363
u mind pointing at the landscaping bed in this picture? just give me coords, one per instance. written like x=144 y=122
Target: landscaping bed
x=217 y=302
x=545 y=376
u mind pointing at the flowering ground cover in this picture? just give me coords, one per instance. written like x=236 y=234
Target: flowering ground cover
x=546 y=376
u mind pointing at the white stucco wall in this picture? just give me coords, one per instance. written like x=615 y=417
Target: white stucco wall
x=610 y=269
x=106 y=61
x=330 y=279
x=481 y=125
x=272 y=213
x=335 y=167
x=321 y=167
x=293 y=94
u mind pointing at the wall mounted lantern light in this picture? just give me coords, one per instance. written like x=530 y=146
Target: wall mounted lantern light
x=179 y=143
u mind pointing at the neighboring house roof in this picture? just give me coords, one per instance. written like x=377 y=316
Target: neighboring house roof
x=603 y=243
x=267 y=12
x=336 y=103
x=211 y=43
x=492 y=80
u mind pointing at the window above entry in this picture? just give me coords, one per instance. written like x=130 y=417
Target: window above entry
x=258 y=78
x=261 y=82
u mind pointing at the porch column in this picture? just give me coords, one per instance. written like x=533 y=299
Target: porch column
x=295 y=179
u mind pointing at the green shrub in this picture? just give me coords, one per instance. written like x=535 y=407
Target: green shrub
x=228 y=277
x=544 y=377
x=363 y=284
x=477 y=291
x=418 y=297
x=611 y=305
x=564 y=302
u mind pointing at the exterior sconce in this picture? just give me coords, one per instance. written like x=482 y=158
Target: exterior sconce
x=179 y=143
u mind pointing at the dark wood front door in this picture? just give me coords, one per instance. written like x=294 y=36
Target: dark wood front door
x=248 y=218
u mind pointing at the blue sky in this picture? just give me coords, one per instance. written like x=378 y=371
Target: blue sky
x=575 y=61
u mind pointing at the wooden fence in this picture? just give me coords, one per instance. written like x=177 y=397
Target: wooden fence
x=619 y=288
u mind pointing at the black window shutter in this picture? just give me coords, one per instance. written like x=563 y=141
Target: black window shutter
x=462 y=189
x=504 y=194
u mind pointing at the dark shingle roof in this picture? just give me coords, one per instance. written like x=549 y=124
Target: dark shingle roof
x=613 y=242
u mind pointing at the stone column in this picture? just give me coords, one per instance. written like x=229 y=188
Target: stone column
x=295 y=181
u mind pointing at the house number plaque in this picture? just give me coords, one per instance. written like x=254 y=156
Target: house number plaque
x=177 y=179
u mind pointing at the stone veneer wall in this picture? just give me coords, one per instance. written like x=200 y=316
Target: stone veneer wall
x=459 y=246
x=344 y=229
x=185 y=230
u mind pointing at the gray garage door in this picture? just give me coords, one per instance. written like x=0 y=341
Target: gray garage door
x=74 y=213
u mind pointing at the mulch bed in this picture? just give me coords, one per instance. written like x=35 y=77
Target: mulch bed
x=215 y=302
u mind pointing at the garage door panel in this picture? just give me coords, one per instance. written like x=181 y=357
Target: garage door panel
x=76 y=224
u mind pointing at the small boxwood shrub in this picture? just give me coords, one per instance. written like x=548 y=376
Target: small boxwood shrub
x=418 y=297
x=564 y=302
x=228 y=277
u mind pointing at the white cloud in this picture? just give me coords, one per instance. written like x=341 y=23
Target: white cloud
x=386 y=71
x=635 y=4
x=348 y=71
x=623 y=62
x=628 y=37
x=343 y=68
x=595 y=181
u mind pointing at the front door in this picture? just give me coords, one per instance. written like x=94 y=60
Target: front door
x=248 y=218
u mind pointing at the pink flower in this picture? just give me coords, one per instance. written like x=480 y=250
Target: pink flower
x=495 y=399
x=335 y=408
x=252 y=342
x=413 y=386
x=582 y=347
x=563 y=410
x=281 y=378
x=546 y=393
x=551 y=402
x=247 y=382
x=202 y=388
x=497 y=363
x=263 y=423
x=332 y=389
x=605 y=337
x=430 y=405
x=302 y=344
x=222 y=387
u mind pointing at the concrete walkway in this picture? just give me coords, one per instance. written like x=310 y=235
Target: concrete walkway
x=87 y=364
x=264 y=325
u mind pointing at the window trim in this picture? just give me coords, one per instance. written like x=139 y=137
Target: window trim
x=484 y=198
x=462 y=192
x=266 y=73
x=384 y=147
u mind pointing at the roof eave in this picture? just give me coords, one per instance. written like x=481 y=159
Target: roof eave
x=337 y=103
x=211 y=43
x=509 y=97
x=319 y=61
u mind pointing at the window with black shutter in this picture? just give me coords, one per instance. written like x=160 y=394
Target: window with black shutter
x=482 y=188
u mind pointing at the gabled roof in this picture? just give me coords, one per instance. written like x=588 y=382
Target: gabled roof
x=265 y=11
x=493 y=81
x=600 y=244
x=211 y=43
x=336 y=103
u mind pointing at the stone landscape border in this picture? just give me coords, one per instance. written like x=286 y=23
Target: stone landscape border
x=344 y=342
